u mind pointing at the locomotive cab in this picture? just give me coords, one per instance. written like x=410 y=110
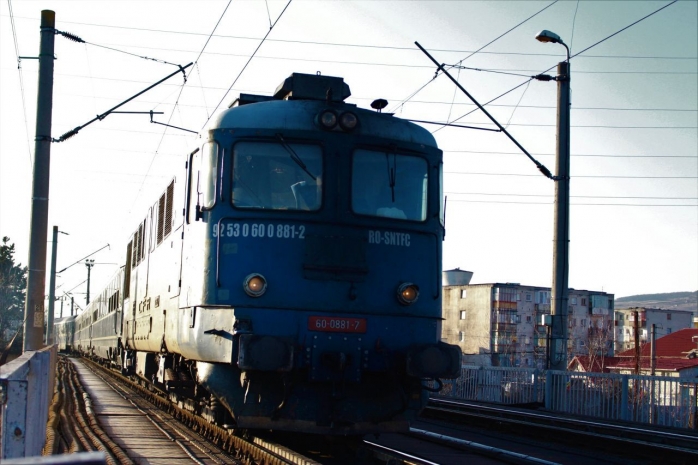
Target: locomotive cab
x=307 y=288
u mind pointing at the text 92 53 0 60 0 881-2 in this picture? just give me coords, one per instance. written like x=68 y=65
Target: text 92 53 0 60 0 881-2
x=261 y=230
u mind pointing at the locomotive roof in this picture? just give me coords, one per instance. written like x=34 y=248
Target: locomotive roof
x=300 y=115
x=301 y=97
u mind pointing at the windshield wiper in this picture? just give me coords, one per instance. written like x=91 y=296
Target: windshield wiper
x=294 y=156
x=391 y=173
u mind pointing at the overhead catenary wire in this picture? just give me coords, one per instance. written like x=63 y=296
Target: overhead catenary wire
x=425 y=102
x=21 y=83
x=573 y=154
x=402 y=103
x=373 y=46
x=405 y=65
x=572 y=56
x=577 y=204
x=271 y=28
x=513 y=194
x=575 y=176
x=181 y=89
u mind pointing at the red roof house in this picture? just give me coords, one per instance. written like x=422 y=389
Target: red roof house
x=676 y=355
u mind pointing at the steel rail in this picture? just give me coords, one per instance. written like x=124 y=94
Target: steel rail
x=655 y=441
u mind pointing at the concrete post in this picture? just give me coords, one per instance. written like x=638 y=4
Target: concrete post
x=36 y=276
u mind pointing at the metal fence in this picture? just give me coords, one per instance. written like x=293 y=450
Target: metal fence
x=26 y=388
x=657 y=400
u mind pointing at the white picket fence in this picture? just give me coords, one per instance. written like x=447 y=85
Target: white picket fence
x=657 y=400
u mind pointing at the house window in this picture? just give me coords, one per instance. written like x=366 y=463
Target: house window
x=462 y=314
x=463 y=292
x=668 y=316
x=528 y=318
x=573 y=301
x=528 y=297
x=583 y=322
x=584 y=301
x=461 y=336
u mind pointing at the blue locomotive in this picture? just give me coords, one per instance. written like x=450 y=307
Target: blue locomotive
x=289 y=277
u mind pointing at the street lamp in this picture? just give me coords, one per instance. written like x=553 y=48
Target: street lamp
x=52 y=285
x=558 y=354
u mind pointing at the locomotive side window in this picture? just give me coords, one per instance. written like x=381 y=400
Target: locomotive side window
x=277 y=176
x=389 y=185
x=209 y=171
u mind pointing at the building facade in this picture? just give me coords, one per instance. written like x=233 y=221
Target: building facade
x=503 y=324
x=666 y=322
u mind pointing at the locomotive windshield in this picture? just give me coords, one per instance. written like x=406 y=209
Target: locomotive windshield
x=389 y=185
x=265 y=175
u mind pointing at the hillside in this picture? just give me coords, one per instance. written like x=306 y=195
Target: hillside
x=670 y=300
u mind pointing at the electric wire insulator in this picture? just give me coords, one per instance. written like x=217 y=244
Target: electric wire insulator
x=70 y=36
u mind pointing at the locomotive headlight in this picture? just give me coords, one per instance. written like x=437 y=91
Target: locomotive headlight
x=255 y=285
x=328 y=119
x=407 y=293
x=348 y=121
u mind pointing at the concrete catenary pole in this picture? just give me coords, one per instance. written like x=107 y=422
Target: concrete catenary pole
x=89 y=264
x=562 y=221
x=36 y=276
x=636 y=330
x=52 y=287
x=653 y=350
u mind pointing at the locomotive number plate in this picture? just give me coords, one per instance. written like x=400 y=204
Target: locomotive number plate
x=337 y=325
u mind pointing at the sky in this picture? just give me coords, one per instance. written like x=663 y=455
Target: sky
x=634 y=119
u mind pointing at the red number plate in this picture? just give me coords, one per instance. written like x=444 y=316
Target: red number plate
x=337 y=325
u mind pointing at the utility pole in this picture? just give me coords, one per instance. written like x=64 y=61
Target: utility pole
x=636 y=327
x=653 y=367
x=561 y=240
x=52 y=287
x=653 y=350
x=36 y=275
x=89 y=264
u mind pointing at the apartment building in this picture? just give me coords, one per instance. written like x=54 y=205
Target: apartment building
x=666 y=321
x=503 y=324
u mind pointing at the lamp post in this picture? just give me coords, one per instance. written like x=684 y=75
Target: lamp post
x=52 y=286
x=558 y=354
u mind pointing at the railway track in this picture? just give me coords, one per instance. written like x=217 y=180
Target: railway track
x=73 y=427
x=657 y=445
x=72 y=421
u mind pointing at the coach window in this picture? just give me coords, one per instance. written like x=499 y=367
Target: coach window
x=390 y=185
x=277 y=176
